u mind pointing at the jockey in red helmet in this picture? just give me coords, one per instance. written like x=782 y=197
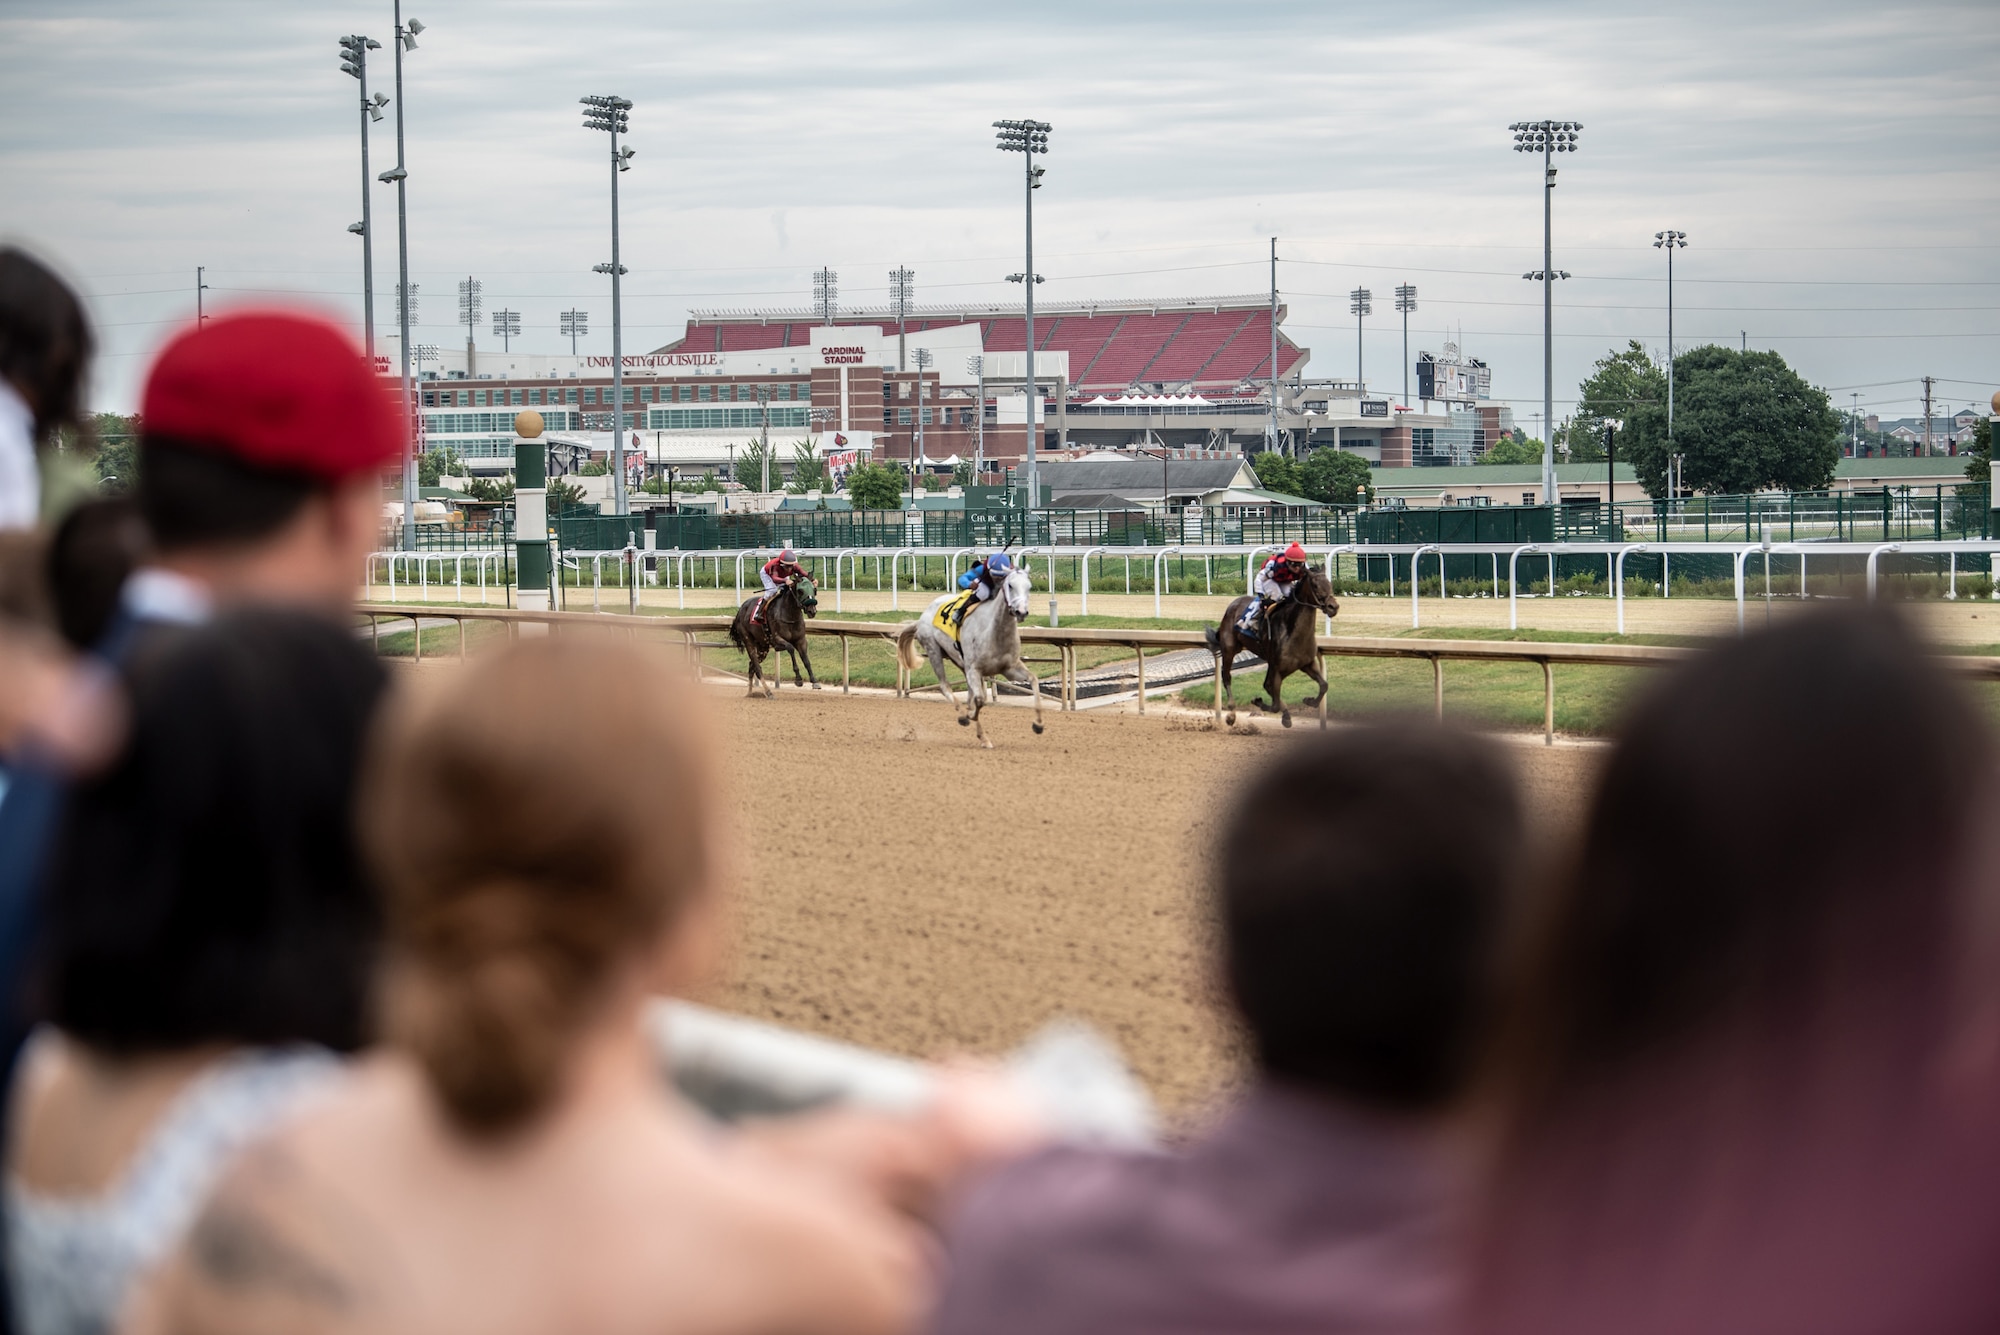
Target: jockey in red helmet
x=1273 y=585
x=779 y=571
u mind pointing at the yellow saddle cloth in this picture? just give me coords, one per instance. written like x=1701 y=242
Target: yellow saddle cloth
x=950 y=612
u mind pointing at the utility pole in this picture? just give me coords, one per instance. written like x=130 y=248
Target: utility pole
x=764 y=445
x=1274 y=345
x=1670 y=241
x=200 y=317
x=1929 y=381
x=406 y=40
x=1406 y=301
x=923 y=360
x=1547 y=138
x=1028 y=137
x=902 y=286
x=977 y=365
x=1359 y=305
x=608 y=113
x=1854 y=426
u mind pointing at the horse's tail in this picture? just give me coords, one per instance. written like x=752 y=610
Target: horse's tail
x=906 y=647
x=1214 y=639
x=736 y=636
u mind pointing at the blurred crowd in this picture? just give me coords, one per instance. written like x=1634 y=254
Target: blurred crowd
x=325 y=997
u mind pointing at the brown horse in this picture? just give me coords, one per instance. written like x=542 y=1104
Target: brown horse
x=782 y=627
x=1286 y=646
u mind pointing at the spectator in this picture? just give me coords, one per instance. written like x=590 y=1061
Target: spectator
x=210 y=938
x=93 y=551
x=1741 y=1096
x=513 y=1160
x=1359 y=939
x=45 y=348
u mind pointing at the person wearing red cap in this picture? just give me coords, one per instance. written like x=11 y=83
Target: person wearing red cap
x=262 y=440
x=1273 y=585
x=777 y=572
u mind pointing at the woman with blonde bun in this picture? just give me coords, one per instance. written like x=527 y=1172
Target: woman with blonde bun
x=513 y=1160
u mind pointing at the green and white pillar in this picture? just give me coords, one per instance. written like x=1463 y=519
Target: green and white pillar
x=531 y=514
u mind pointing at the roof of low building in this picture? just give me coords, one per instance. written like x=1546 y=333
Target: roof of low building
x=1141 y=474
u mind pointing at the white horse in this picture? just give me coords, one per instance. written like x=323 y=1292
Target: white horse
x=988 y=646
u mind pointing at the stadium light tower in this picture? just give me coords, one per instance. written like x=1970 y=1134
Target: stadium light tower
x=354 y=51
x=575 y=324
x=826 y=295
x=1670 y=241
x=977 y=365
x=1547 y=138
x=506 y=326
x=406 y=291
x=469 y=306
x=923 y=361
x=1359 y=305
x=1029 y=138
x=902 y=291
x=1406 y=301
x=608 y=114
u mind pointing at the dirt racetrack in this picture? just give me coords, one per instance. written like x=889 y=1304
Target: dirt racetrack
x=913 y=893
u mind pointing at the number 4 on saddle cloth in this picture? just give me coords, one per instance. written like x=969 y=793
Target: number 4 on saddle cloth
x=951 y=613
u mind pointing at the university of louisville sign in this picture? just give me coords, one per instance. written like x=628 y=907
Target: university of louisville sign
x=656 y=360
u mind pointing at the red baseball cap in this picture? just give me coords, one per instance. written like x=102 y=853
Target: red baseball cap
x=277 y=390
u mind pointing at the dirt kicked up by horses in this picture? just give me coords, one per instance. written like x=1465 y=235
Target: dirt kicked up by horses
x=1286 y=646
x=988 y=646
x=782 y=627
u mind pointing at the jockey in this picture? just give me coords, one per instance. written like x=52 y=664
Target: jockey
x=777 y=572
x=983 y=578
x=1274 y=584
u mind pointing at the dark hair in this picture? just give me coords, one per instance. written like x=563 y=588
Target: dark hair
x=1729 y=1099
x=209 y=887
x=1737 y=765
x=95 y=548
x=194 y=496
x=522 y=869
x=1365 y=877
x=45 y=342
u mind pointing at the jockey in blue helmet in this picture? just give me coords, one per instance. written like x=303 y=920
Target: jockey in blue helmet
x=984 y=578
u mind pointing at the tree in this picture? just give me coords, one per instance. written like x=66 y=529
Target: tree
x=117 y=459
x=961 y=473
x=1744 y=421
x=566 y=498
x=490 y=489
x=1513 y=449
x=750 y=465
x=1276 y=472
x=1335 y=477
x=436 y=463
x=808 y=469
x=873 y=486
x=1979 y=453
x=1622 y=383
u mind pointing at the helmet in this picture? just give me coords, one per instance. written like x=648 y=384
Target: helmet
x=789 y=557
x=1295 y=553
x=999 y=563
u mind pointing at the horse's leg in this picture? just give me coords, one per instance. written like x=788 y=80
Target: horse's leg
x=1311 y=668
x=1017 y=671
x=807 y=656
x=937 y=670
x=1226 y=651
x=975 y=696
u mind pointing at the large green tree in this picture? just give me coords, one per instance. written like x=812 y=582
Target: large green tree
x=1620 y=385
x=1745 y=422
x=1276 y=472
x=1512 y=449
x=808 y=469
x=1335 y=477
x=873 y=486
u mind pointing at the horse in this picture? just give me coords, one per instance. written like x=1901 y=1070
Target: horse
x=988 y=646
x=783 y=626
x=1287 y=647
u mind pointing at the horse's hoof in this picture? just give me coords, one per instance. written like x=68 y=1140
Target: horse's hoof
x=1230 y=718
x=818 y=687
x=964 y=722
x=1038 y=730
x=987 y=745
x=1286 y=718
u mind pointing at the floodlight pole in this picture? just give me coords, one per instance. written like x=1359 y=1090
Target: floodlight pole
x=1548 y=138
x=405 y=37
x=356 y=49
x=608 y=113
x=1670 y=241
x=1028 y=138
x=1274 y=344
x=977 y=365
x=1406 y=301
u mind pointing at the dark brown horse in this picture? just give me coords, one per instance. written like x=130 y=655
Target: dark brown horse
x=782 y=627
x=1286 y=646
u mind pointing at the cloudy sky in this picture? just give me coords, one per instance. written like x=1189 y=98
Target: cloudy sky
x=1833 y=164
